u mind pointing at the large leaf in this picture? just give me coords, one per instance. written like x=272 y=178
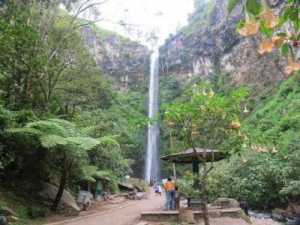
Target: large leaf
x=51 y=141
x=48 y=127
x=109 y=140
x=89 y=173
x=24 y=131
x=85 y=143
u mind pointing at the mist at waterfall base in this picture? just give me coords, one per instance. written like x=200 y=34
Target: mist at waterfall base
x=152 y=169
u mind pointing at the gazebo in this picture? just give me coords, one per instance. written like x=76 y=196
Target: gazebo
x=194 y=157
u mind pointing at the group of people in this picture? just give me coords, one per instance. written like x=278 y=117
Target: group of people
x=171 y=192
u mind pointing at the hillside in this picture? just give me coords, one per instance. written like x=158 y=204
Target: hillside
x=125 y=60
x=210 y=48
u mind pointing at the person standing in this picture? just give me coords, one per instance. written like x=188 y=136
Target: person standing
x=169 y=187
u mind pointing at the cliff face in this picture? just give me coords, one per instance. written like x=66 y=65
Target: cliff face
x=125 y=60
x=210 y=45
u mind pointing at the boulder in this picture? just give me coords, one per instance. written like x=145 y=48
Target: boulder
x=12 y=219
x=279 y=215
x=67 y=201
x=225 y=203
x=187 y=216
x=3 y=220
x=126 y=187
x=7 y=215
x=7 y=212
x=136 y=195
x=141 y=195
x=295 y=208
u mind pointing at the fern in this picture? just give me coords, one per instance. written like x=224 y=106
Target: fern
x=26 y=131
x=109 y=141
x=48 y=127
x=51 y=141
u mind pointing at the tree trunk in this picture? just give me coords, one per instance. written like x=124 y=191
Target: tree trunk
x=205 y=197
x=61 y=188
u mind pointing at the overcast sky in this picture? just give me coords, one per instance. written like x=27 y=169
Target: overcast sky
x=144 y=16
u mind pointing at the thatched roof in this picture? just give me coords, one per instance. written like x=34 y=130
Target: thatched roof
x=188 y=156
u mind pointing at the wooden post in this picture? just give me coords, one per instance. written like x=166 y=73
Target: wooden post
x=196 y=172
x=174 y=171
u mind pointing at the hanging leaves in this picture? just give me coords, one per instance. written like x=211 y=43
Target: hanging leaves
x=265 y=47
x=278 y=41
x=279 y=31
x=269 y=18
x=291 y=67
x=249 y=29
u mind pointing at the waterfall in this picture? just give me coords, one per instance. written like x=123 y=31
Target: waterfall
x=152 y=155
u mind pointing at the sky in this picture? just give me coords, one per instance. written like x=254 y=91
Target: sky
x=140 y=18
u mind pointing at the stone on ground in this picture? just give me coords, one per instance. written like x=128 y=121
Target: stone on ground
x=225 y=203
x=67 y=201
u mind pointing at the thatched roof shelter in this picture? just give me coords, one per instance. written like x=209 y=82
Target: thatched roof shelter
x=188 y=156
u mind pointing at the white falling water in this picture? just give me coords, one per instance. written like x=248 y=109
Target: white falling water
x=152 y=155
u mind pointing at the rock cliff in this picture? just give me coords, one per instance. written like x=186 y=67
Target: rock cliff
x=209 y=45
x=125 y=60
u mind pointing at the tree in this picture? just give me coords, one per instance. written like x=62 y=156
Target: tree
x=39 y=49
x=67 y=147
x=279 y=30
x=208 y=120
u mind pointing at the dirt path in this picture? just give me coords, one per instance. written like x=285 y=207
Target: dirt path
x=126 y=213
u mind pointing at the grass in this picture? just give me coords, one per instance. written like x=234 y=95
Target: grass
x=19 y=205
x=277 y=119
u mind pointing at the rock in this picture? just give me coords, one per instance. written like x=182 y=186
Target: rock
x=245 y=217
x=7 y=212
x=125 y=60
x=209 y=45
x=295 y=208
x=13 y=219
x=143 y=223
x=187 y=216
x=225 y=203
x=279 y=215
x=3 y=220
x=126 y=187
x=67 y=201
x=141 y=195
x=295 y=221
x=136 y=195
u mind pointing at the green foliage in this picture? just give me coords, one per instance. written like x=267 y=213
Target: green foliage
x=186 y=186
x=207 y=116
x=276 y=119
x=124 y=122
x=292 y=190
x=266 y=179
x=60 y=111
x=254 y=177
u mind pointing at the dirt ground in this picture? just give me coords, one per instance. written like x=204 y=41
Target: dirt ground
x=224 y=221
x=123 y=212
x=117 y=212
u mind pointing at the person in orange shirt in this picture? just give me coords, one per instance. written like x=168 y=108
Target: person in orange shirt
x=169 y=187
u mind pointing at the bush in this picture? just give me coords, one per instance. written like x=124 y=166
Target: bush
x=254 y=177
